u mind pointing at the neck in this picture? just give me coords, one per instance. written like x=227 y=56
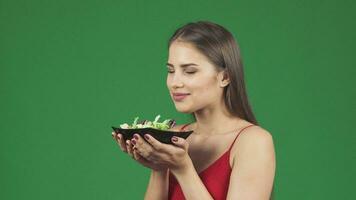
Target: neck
x=214 y=120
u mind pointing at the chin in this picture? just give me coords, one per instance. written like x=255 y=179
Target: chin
x=183 y=109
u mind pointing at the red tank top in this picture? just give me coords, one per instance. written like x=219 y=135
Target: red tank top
x=216 y=177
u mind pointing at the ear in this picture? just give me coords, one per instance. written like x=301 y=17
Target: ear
x=223 y=79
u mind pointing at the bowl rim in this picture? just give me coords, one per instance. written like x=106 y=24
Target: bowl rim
x=150 y=128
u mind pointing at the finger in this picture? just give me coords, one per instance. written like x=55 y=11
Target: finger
x=121 y=143
x=140 y=159
x=180 y=142
x=113 y=135
x=157 y=145
x=137 y=156
x=143 y=148
x=129 y=148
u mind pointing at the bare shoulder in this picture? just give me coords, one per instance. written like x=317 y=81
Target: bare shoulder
x=253 y=141
x=254 y=134
x=254 y=165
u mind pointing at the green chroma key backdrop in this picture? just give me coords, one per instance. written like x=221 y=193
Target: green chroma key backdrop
x=69 y=70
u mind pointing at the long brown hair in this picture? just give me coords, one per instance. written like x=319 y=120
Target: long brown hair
x=220 y=47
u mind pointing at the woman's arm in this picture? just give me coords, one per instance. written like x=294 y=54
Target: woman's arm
x=254 y=166
x=157 y=188
x=158 y=184
x=191 y=184
x=177 y=159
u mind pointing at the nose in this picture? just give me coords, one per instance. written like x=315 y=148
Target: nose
x=175 y=81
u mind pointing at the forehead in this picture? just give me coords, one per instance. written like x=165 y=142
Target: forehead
x=182 y=52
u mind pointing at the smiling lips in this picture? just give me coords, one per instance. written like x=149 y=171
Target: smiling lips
x=179 y=96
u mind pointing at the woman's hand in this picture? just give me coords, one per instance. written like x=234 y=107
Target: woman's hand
x=175 y=157
x=127 y=147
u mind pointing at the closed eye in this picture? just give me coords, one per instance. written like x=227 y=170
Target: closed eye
x=185 y=72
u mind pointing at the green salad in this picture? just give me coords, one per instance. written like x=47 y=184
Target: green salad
x=165 y=125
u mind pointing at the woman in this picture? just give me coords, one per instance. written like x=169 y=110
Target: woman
x=205 y=78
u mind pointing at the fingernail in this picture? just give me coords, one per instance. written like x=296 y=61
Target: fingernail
x=174 y=139
x=146 y=137
x=128 y=142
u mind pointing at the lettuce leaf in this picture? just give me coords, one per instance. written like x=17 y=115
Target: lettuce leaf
x=165 y=125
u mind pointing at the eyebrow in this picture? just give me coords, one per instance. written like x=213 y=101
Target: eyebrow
x=183 y=65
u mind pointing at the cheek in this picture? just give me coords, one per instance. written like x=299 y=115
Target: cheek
x=169 y=82
x=206 y=91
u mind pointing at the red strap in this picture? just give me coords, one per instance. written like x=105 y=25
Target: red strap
x=181 y=129
x=238 y=135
